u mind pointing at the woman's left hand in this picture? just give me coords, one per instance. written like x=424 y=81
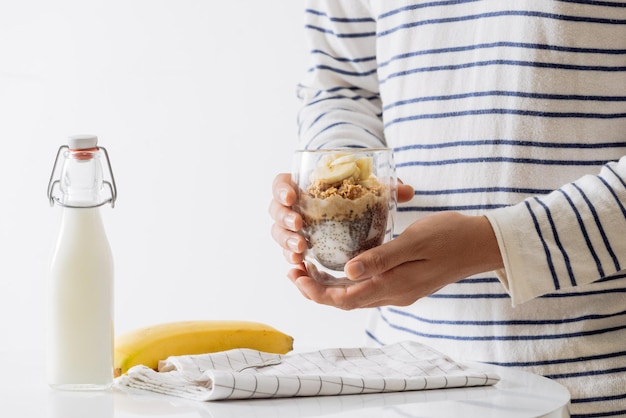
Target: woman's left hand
x=432 y=252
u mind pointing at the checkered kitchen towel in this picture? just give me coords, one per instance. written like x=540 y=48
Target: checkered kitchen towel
x=244 y=373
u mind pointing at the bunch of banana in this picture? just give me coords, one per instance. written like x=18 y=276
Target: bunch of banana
x=150 y=344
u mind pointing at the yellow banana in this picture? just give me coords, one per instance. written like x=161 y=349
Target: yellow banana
x=150 y=344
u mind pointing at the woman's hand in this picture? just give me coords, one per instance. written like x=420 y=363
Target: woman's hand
x=287 y=222
x=431 y=253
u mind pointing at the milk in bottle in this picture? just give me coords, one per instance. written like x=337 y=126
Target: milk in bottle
x=80 y=283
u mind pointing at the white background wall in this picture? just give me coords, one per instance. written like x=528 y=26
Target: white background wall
x=195 y=102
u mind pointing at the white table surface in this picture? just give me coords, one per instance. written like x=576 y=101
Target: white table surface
x=24 y=394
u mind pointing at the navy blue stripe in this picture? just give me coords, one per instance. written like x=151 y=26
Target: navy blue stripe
x=344 y=72
x=561 y=294
x=619 y=413
x=611 y=278
x=621 y=180
x=429 y=209
x=503 y=93
x=565 y=145
x=318 y=117
x=489 y=15
x=338 y=97
x=595 y=3
x=480 y=190
x=340 y=88
x=331 y=111
x=340 y=35
x=341 y=19
x=369 y=97
x=483 y=160
x=301 y=97
x=586 y=374
x=331 y=126
x=560 y=361
x=583 y=230
x=423 y=6
x=341 y=59
x=559 y=321
x=503 y=337
x=373 y=337
x=558 y=242
x=476 y=280
x=470 y=296
x=596 y=218
x=502 y=44
x=334 y=125
x=519 y=112
x=555 y=279
x=455 y=2
x=323 y=145
x=614 y=194
x=589 y=293
x=602 y=398
x=454 y=67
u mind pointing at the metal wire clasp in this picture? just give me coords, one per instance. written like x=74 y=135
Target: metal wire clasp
x=54 y=182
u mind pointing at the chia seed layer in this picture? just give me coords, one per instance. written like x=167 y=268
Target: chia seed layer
x=338 y=228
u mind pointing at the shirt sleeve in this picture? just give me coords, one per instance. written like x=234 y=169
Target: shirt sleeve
x=570 y=237
x=340 y=102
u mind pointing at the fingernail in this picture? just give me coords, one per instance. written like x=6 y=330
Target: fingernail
x=300 y=287
x=290 y=221
x=354 y=270
x=292 y=243
x=283 y=196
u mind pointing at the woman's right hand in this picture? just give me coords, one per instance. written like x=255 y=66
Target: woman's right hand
x=287 y=222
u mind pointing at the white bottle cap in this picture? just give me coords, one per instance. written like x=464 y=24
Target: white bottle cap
x=84 y=141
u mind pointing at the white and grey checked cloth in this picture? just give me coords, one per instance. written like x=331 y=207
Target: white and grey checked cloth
x=246 y=374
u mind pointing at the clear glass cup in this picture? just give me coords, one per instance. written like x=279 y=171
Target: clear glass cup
x=347 y=200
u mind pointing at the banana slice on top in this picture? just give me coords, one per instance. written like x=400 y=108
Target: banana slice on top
x=335 y=168
x=339 y=159
x=366 y=166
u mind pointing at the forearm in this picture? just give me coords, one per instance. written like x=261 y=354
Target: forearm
x=339 y=95
x=570 y=237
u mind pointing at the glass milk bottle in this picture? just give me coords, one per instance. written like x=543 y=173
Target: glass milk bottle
x=80 y=282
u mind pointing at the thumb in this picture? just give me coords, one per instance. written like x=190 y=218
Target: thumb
x=376 y=260
x=405 y=192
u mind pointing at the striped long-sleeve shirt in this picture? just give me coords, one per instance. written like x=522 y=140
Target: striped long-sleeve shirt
x=512 y=109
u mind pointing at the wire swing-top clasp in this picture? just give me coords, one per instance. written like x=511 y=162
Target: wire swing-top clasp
x=80 y=152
